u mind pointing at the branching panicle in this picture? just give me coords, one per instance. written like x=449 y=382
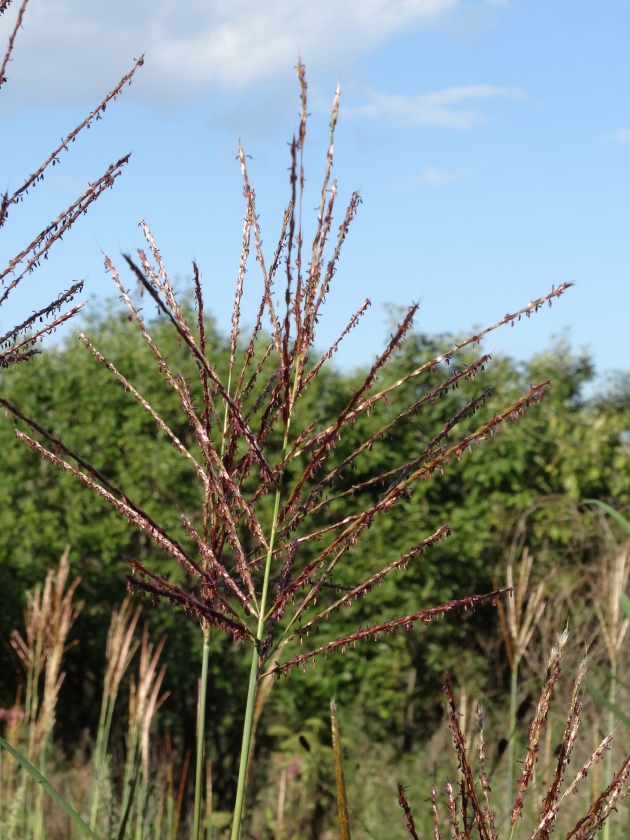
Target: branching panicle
x=264 y=472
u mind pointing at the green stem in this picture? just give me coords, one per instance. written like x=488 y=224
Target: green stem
x=512 y=733
x=130 y=778
x=247 y=732
x=611 y=725
x=201 y=732
x=253 y=674
x=99 y=758
x=253 y=682
x=38 y=829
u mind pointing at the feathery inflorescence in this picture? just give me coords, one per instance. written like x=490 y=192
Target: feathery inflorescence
x=250 y=455
x=19 y=344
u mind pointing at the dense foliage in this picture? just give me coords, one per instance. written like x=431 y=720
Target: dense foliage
x=569 y=446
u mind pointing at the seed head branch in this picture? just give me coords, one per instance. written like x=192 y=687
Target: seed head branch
x=94 y=115
x=388 y=627
x=600 y=810
x=55 y=306
x=352 y=323
x=116 y=498
x=369 y=402
x=538 y=724
x=189 y=340
x=145 y=404
x=15 y=353
x=404 y=804
x=161 y=588
x=12 y=37
x=549 y=811
x=366 y=587
x=268 y=276
x=40 y=246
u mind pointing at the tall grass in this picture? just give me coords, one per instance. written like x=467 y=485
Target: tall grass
x=139 y=787
x=469 y=809
x=263 y=549
x=519 y=621
x=139 y=794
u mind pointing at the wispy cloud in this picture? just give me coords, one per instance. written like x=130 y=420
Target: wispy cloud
x=620 y=137
x=438 y=108
x=434 y=177
x=73 y=48
x=430 y=176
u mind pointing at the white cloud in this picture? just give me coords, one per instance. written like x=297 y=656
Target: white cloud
x=434 y=177
x=438 y=108
x=619 y=137
x=74 y=48
x=430 y=176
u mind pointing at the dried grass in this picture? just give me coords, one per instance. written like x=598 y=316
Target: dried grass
x=466 y=814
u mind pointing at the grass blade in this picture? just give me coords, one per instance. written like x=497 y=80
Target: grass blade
x=342 y=801
x=48 y=788
x=608 y=675
x=619 y=519
x=601 y=698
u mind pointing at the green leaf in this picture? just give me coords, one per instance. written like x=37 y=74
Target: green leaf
x=608 y=674
x=619 y=519
x=47 y=787
x=605 y=702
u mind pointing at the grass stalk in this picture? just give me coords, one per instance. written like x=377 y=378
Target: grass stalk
x=612 y=694
x=208 y=800
x=98 y=761
x=255 y=668
x=180 y=794
x=169 y=786
x=247 y=732
x=38 y=827
x=282 y=790
x=512 y=735
x=201 y=732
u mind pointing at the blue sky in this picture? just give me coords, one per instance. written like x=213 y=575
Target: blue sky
x=490 y=141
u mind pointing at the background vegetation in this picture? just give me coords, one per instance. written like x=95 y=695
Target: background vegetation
x=527 y=486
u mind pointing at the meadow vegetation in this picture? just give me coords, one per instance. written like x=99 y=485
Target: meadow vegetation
x=286 y=514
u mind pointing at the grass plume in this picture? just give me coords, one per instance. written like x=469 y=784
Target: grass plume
x=263 y=549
